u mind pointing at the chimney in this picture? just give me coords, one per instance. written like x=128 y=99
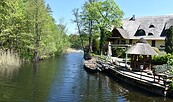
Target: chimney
x=133 y=18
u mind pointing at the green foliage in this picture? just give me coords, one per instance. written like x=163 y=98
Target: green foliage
x=75 y=40
x=170 y=59
x=103 y=15
x=162 y=59
x=28 y=28
x=169 y=40
x=119 y=52
x=171 y=86
x=95 y=46
x=159 y=60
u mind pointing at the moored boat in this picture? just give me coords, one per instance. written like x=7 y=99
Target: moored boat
x=90 y=66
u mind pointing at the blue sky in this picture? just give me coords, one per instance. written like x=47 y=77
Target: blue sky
x=63 y=9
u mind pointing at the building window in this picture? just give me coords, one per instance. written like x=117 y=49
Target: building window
x=140 y=32
x=153 y=43
x=118 y=42
x=130 y=41
x=150 y=34
x=151 y=26
x=123 y=41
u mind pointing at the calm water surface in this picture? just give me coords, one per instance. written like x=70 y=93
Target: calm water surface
x=63 y=79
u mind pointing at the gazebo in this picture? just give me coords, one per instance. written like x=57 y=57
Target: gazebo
x=141 y=54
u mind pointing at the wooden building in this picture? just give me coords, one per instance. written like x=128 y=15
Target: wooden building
x=151 y=28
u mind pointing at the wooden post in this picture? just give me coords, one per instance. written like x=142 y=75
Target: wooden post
x=144 y=61
x=135 y=58
x=132 y=59
x=126 y=61
x=149 y=62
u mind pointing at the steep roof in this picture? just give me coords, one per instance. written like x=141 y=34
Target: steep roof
x=152 y=26
x=141 y=48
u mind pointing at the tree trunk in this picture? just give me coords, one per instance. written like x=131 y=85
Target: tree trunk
x=102 y=39
x=80 y=36
x=90 y=37
x=36 y=38
x=75 y=13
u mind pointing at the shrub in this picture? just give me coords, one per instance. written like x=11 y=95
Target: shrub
x=171 y=86
x=95 y=46
x=162 y=59
x=170 y=60
x=119 y=52
x=158 y=60
x=9 y=63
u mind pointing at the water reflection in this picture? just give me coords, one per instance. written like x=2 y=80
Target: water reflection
x=9 y=64
x=63 y=79
x=31 y=83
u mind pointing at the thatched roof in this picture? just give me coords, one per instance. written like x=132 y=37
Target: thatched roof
x=169 y=23
x=153 y=27
x=141 y=48
x=123 y=33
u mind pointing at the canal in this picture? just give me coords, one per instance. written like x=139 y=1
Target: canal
x=63 y=79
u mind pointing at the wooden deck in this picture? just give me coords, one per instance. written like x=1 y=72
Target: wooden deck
x=142 y=80
x=142 y=76
x=148 y=81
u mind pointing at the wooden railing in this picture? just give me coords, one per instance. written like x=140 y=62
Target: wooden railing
x=158 y=79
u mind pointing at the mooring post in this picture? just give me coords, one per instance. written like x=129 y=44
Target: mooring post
x=141 y=69
x=126 y=61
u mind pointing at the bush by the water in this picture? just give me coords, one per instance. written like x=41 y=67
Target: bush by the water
x=162 y=59
x=95 y=46
x=119 y=52
x=9 y=63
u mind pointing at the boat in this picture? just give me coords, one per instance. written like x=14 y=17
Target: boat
x=90 y=66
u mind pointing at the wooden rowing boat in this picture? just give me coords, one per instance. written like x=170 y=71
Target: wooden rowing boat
x=90 y=66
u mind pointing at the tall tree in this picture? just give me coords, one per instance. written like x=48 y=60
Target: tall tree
x=28 y=28
x=78 y=22
x=106 y=14
x=88 y=24
x=169 y=40
x=36 y=14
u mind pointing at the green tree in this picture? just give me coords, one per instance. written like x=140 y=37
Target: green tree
x=28 y=28
x=106 y=14
x=88 y=24
x=169 y=40
x=79 y=25
x=95 y=46
x=37 y=14
x=75 y=40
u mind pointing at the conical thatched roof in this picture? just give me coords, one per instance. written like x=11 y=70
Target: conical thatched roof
x=141 y=48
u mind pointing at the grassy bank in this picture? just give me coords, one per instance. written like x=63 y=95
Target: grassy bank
x=9 y=63
x=69 y=50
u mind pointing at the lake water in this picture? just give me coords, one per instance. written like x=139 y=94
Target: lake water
x=63 y=79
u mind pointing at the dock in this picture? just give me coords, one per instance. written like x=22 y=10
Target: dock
x=151 y=82
x=137 y=71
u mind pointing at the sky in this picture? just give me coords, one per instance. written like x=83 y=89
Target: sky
x=63 y=9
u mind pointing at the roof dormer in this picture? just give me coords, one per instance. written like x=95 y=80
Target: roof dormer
x=151 y=26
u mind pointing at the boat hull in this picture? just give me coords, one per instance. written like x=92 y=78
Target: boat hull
x=88 y=69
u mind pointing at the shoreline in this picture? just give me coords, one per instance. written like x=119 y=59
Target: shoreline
x=70 y=50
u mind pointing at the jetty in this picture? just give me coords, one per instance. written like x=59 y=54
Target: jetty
x=138 y=71
x=153 y=82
